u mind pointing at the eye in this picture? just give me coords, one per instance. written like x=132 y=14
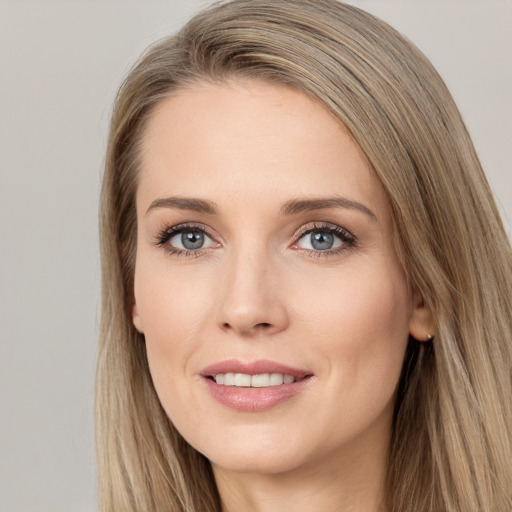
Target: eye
x=319 y=241
x=328 y=238
x=191 y=240
x=185 y=240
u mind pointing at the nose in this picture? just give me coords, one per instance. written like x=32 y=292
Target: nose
x=251 y=301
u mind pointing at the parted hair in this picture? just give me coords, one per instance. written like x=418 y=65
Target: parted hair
x=451 y=446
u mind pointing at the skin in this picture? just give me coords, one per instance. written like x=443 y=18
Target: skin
x=259 y=290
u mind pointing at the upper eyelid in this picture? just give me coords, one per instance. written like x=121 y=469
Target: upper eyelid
x=190 y=227
x=328 y=226
x=318 y=226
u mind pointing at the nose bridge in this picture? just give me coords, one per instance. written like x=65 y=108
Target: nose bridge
x=251 y=301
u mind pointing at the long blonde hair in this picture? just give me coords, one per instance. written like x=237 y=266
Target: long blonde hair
x=451 y=446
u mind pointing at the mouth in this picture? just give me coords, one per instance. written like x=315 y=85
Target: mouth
x=254 y=386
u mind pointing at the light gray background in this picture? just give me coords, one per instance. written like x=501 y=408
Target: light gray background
x=61 y=64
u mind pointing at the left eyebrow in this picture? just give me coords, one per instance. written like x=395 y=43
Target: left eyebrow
x=305 y=205
x=184 y=203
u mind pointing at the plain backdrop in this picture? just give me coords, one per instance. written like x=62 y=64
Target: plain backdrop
x=61 y=64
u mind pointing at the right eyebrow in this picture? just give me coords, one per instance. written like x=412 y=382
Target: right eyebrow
x=184 y=203
x=303 y=205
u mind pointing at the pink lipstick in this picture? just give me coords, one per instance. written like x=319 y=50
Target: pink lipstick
x=253 y=386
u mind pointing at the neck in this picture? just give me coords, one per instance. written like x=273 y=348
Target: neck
x=344 y=482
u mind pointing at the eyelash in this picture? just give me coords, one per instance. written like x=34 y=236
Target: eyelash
x=165 y=235
x=348 y=240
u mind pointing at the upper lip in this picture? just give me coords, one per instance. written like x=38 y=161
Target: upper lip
x=253 y=368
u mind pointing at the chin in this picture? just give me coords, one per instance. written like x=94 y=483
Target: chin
x=257 y=463
x=254 y=452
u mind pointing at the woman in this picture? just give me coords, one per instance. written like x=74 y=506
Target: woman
x=306 y=284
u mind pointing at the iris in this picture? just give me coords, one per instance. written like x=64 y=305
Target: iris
x=192 y=239
x=322 y=241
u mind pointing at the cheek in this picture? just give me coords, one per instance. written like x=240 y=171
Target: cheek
x=171 y=304
x=360 y=325
x=368 y=301
x=359 y=329
x=172 y=311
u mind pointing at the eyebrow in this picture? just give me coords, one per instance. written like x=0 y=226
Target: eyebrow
x=185 y=203
x=291 y=207
x=305 y=205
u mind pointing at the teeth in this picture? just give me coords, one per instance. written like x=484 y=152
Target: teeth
x=288 y=379
x=242 y=380
x=262 y=380
x=276 y=379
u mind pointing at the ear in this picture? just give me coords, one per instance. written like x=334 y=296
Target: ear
x=136 y=318
x=422 y=324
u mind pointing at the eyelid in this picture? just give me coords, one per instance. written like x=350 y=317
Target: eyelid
x=163 y=236
x=348 y=240
x=322 y=226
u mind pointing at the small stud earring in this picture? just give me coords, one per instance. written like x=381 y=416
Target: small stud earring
x=430 y=336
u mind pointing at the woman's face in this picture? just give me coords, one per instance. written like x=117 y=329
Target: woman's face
x=265 y=260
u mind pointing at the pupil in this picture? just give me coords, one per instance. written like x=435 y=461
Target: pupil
x=322 y=241
x=192 y=239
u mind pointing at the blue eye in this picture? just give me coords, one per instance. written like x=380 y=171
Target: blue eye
x=322 y=241
x=328 y=238
x=189 y=240
x=185 y=240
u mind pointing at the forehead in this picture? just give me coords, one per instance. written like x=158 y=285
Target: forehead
x=250 y=137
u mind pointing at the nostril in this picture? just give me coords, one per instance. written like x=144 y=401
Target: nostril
x=261 y=324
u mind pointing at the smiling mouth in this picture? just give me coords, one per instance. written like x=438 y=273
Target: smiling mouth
x=254 y=386
x=261 y=380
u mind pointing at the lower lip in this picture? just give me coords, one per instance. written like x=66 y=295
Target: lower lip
x=254 y=399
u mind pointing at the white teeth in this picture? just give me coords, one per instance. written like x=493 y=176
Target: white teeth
x=229 y=379
x=276 y=379
x=288 y=379
x=261 y=380
x=242 y=380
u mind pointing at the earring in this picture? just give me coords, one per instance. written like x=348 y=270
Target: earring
x=430 y=336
